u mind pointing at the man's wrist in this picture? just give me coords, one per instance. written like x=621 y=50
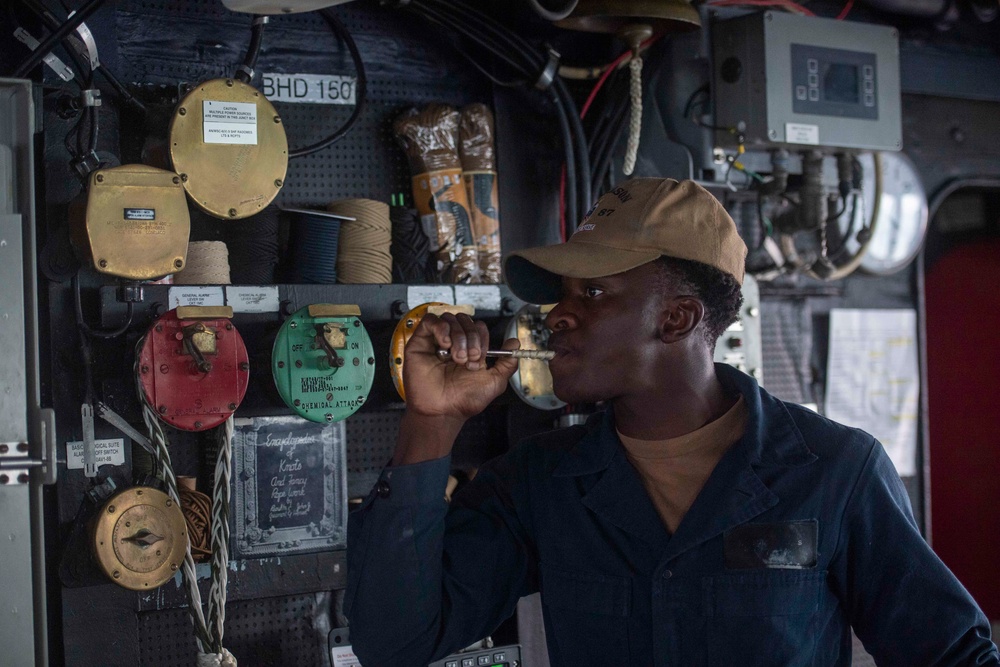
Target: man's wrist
x=425 y=437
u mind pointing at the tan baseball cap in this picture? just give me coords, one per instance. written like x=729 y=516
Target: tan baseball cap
x=637 y=222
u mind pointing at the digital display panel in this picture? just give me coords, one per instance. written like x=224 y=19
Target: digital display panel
x=840 y=83
x=833 y=82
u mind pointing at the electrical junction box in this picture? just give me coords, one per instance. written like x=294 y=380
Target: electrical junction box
x=323 y=362
x=781 y=78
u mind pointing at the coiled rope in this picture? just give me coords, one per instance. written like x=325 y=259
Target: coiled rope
x=197 y=510
x=211 y=653
x=207 y=264
x=363 y=251
x=253 y=248
x=410 y=248
x=635 y=120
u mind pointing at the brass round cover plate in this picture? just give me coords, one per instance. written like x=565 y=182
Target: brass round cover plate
x=137 y=222
x=228 y=145
x=140 y=538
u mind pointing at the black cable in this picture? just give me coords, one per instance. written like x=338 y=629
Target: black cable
x=360 y=91
x=53 y=23
x=85 y=328
x=245 y=73
x=57 y=36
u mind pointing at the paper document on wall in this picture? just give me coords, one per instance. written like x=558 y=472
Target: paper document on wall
x=872 y=379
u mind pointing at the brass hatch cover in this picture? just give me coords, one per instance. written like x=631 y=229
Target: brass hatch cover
x=136 y=224
x=228 y=145
x=140 y=538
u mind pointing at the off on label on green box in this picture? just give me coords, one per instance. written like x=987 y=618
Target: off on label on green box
x=323 y=362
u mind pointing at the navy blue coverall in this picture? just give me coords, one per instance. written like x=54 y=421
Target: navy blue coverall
x=802 y=531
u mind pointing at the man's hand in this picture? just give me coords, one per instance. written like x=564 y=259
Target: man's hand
x=442 y=394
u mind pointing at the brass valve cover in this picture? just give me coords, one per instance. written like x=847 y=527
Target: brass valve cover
x=140 y=538
x=532 y=382
x=228 y=145
x=136 y=224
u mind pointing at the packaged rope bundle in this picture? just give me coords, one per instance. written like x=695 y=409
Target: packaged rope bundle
x=478 y=156
x=363 y=249
x=430 y=139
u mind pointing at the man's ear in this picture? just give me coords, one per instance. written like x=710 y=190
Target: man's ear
x=680 y=317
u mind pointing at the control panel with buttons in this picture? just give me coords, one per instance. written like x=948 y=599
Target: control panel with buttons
x=498 y=656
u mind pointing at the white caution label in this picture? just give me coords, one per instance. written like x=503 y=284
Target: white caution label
x=229 y=122
x=253 y=299
x=483 y=297
x=109 y=452
x=196 y=296
x=420 y=294
x=309 y=88
x=800 y=133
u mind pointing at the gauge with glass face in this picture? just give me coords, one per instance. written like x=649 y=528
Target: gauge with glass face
x=896 y=205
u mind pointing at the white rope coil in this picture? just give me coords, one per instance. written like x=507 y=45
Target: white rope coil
x=635 y=120
x=211 y=653
x=207 y=264
x=363 y=248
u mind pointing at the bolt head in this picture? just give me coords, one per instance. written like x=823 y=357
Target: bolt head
x=278 y=182
x=163 y=409
x=232 y=212
x=182 y=111
x=100 y=178
x=232 y=406
x=297 y=402
x=103 y=263
x=178 y=263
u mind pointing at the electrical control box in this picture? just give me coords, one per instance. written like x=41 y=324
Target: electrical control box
x=781 y=78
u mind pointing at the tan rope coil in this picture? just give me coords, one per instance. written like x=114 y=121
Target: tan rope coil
x=363 y=248
x=197 y=510
x=207 y=264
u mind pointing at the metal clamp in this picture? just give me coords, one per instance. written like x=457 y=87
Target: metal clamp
x=548 y=73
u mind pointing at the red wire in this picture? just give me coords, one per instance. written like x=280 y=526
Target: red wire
x=787 y=4
x=845 y=11
x=611 y=67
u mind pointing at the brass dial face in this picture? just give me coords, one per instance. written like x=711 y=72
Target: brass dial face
x=228 y=147
x=140 y=538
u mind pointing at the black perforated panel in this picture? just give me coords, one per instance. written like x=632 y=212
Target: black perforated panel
x=283 y=631
x=404 y=68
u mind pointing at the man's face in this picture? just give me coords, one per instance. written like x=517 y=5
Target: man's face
x=605 y=333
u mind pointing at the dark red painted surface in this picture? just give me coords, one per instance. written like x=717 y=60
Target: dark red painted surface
x=963 y=364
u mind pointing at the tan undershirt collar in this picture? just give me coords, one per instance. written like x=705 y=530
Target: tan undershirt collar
x=675 y=470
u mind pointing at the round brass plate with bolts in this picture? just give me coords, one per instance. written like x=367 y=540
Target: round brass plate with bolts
x=228 y=146
x=612 y=16
x=404 y=330
x=140 y=538
x=137 y=222
x=532 y=382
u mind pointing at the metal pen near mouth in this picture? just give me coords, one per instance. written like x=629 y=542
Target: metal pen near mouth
x=544 y=355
